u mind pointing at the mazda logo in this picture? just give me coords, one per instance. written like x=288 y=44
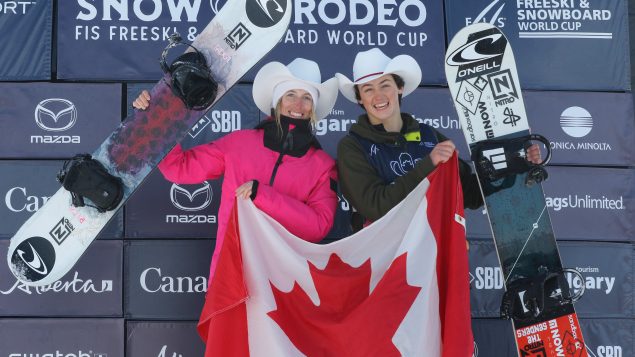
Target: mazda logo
x=55 y=114
x=179 y=194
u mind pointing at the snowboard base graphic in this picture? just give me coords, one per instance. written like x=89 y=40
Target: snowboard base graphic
x=482 y=78
x=53 y=239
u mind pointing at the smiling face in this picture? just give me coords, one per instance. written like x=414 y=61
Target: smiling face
x=296 y=103
x=380 y=98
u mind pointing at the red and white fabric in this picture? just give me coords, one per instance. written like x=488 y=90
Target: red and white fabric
x=398 y=287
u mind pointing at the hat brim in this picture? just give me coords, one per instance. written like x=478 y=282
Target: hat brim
x=403 y=65
x=275 y=72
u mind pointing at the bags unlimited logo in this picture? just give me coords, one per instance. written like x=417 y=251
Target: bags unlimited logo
x=55 y=115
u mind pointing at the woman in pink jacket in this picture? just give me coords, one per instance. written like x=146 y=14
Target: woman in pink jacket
x=279 y=164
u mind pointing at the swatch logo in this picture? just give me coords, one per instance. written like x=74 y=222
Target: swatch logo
x=33 y=259
x=55 y=114
x=266 y=13
x=189 y=201
x=576 y=121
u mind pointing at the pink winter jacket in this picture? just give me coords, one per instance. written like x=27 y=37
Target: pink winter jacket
x=301 y=198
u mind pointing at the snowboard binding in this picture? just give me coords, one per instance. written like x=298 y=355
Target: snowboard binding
x=191 y=77
x=527 y=298
x=85 y=177
x=504 y=158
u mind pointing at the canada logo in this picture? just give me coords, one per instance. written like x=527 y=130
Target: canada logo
x=344 y=309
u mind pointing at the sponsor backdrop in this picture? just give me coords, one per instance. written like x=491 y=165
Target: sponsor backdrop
x=139 y=289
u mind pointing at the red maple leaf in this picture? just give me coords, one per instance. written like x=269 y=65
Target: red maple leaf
x=349 y=321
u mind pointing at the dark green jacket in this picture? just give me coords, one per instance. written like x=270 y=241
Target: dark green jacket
x=367 y=192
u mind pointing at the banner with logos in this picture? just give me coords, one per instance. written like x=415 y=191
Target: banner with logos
x=93 y=287
x=602 y=337
x=161 y=209
x=585 y=128
x=563 y=44
x=166 y=280
x=25 y=186
x=585 y=203
x=163 y=339
x=56 y=120
x=607 y=269
x=62 y=337
x=124 y=39
x=26 y=41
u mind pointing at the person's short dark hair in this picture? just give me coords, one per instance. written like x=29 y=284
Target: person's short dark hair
x=398 y=80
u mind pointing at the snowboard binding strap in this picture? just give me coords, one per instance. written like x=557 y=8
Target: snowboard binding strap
x=85 y=177
x=527 y=298
x=191 y=77
x=501 y=158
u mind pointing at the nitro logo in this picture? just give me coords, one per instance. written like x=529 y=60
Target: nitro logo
x=62 y=230
x=503 y=87
x=482 y=54
x=237 y=36
x=266 y=13
x=33 y=259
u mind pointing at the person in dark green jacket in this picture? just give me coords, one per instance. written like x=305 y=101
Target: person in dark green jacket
x=388 y=153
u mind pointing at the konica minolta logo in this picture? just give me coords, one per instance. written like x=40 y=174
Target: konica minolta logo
x=55 y=116
x=266 y=13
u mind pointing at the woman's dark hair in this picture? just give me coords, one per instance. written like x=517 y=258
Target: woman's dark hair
x=398 y=80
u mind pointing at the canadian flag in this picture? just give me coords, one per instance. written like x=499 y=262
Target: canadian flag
x=398 y=287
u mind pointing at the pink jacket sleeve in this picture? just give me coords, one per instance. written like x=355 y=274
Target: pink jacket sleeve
x=310 y=220
x=200 y=163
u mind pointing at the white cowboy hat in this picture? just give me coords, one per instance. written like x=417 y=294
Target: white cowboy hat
x=373 y=64
x=299 y=74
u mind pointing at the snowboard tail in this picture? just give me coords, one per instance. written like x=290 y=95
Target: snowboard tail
x=53 y=239
x=482 y=78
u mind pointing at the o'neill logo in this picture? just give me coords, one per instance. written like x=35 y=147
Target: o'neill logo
x=191 y=201
x=33 y=259
x=481 y=54
x=214 y=4
x=55 y=114
x=576 y=121
x=266 y=13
